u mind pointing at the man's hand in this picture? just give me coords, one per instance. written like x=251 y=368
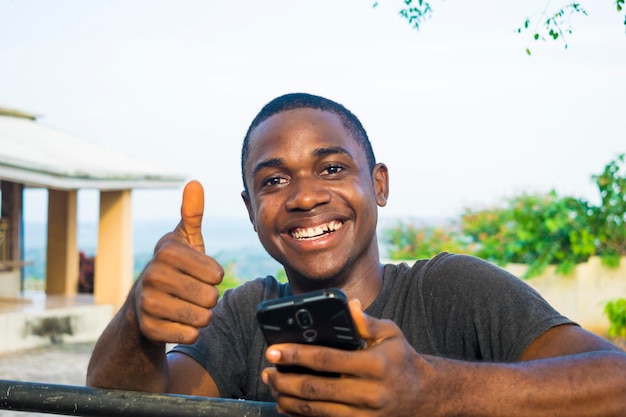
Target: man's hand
x=380 y=380
x=176 y=290
x=170 y=301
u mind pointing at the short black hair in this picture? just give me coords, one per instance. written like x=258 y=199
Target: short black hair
x=294 y=101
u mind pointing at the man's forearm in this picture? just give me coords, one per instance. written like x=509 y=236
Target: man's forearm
x=124 y=359
x=588 y=384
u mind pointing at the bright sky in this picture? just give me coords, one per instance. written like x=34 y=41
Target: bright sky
x=458 y=111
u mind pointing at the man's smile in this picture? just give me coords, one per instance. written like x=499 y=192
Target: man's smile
x=302 y=233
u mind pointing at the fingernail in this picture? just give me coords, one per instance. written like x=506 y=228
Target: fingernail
x=273 y=355
x=265 y=377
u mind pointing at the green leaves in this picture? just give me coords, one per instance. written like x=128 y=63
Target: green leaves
x=549 y=25
x=416 y=12
x=616 y=312
x=540 y=230
x=610 y=217
x=554 y=25
x=409 y=241
x=533 y=229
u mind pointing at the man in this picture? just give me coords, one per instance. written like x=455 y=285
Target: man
x=449 y=336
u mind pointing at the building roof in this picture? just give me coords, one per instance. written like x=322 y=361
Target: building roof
x=41 y=157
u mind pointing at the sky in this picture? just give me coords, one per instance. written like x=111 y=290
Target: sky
x=458 y=111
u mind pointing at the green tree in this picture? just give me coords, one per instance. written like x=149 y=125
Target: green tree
x=553 y=23
x=537 y=230
x=616 y=313
x=609 y=219
x=409 y=241
x=533 y=229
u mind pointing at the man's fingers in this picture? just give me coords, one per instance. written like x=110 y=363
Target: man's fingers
x=371 y=330
x=191 y=211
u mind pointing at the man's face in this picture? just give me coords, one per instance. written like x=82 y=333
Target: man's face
x=311 y=196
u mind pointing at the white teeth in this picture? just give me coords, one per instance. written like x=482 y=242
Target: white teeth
x=311 y=232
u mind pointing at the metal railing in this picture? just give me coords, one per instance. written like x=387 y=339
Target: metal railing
x=97 y=402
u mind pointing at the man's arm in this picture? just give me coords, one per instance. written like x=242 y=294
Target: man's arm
x=170 y=301
x=565 y=372
x=123 y=358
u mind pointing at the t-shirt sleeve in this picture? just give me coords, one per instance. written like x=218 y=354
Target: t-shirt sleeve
x=478 y=311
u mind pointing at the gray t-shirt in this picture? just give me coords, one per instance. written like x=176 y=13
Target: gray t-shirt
x=453 y=306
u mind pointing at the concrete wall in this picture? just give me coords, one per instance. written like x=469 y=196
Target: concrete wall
x=581 y=295
x=10 y=283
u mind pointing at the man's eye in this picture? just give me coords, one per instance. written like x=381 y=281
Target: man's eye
x=274 y=181
x=332 y=170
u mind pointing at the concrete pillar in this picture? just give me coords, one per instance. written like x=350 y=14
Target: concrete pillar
x=62 y=251
x=113 y=275
x=12 y=196
x=11 y=239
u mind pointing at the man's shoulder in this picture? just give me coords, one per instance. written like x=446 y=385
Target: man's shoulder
x=441 y=262
x=446 y=262
x=448 y=270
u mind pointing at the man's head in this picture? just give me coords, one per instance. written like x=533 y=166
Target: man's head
x=313 y=190
x=308 y=101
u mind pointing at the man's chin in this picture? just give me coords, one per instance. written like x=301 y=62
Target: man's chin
x=314 y=278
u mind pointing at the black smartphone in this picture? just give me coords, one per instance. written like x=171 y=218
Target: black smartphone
x=316 y=318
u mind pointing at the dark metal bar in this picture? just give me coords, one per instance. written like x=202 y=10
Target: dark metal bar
x=96 y=402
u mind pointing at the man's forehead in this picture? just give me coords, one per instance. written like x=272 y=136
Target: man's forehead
x=314 y=119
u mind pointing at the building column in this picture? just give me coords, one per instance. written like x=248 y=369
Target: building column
x=113 y=272
x=12 y=196
x=62 y=250
x=11 y=239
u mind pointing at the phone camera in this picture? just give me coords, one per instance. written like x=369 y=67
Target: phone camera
x=304 y=319
x=309 y=335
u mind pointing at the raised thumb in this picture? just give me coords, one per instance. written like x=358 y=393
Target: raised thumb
x=191 y=212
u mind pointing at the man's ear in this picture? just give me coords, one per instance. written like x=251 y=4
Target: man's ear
x=246 y=200
x=380 y=176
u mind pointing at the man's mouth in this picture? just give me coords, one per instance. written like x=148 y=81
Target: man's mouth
x=317 y=231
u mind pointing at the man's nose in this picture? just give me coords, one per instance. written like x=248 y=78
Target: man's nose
x=305 y=194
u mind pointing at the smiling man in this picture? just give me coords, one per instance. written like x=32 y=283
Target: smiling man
x=312 y=193
x=453 y=335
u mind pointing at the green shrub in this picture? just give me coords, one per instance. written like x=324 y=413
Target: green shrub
x=609 y=219
x=616 y=312
x=533 y=229
x=537 y=230
x=408 y=241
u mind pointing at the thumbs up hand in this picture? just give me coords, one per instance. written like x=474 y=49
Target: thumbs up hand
x=176 y=290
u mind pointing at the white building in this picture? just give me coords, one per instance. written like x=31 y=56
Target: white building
x=34 y=156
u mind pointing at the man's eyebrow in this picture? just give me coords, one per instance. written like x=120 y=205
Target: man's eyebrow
x=277 y=162
x=333 y=150
x=269 y=163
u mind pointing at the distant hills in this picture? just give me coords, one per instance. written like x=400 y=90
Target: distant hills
x=230 y=240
